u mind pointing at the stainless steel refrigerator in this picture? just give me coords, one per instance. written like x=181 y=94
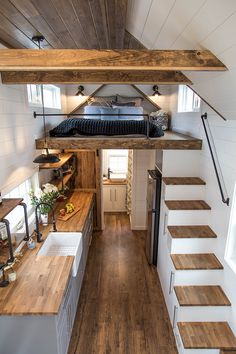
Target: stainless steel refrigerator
x=153 y=215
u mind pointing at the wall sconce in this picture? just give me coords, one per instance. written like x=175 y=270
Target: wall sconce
x=80 y=91
x=156 y=92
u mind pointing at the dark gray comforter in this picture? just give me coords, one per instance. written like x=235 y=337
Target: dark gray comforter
x=81 y=126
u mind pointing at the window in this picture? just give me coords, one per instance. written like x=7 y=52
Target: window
x=16 y=217
x=117 y=161
x=188 y=101
x=51 y=94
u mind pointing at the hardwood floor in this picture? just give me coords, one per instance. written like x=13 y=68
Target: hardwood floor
x=121 y=308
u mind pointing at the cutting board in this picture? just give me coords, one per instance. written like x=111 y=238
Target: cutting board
x=68 y=216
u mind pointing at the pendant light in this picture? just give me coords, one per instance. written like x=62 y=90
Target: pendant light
x=45 y=157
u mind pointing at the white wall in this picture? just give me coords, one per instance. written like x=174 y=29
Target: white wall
x=192 y=24
x=18 y=130
x=142 y=161
x=126 y=90
x=224 y=134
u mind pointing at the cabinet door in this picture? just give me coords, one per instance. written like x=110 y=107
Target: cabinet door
x=119 y=198
x=107 y=198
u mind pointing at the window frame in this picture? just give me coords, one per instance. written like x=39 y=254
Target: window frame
x=188 y=101
x=36 y=101
x=27 y=185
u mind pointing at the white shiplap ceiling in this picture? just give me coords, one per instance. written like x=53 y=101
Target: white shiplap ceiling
x=192 y=24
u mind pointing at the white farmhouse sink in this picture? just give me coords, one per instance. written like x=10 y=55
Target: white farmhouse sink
x=63 y=244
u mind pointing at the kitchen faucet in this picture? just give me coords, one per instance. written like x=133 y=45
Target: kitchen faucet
x=37 y=231
x=109 y=173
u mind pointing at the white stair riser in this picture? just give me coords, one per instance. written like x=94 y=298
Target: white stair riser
x=184 y=192
x=200 y=313
x=198 y=277
x=203 y=313
x=188 y=217
x=191 y=245
x=182 y=163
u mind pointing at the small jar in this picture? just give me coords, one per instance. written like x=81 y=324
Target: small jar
x=12 y=276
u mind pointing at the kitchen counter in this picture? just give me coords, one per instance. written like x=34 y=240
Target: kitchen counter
x=110 y=182
x=42 y=280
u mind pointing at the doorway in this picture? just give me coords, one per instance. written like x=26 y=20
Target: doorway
x=116 y=181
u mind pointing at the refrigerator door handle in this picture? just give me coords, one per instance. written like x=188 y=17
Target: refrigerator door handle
x=155 y=210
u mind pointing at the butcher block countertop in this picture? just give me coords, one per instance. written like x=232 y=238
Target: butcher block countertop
x=42 y=280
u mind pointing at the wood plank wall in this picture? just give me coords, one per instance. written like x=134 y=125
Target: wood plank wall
x=88 y=178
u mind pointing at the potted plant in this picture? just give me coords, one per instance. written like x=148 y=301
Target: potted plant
x=47 y=194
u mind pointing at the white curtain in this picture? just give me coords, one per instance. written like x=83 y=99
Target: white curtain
x=129 y=181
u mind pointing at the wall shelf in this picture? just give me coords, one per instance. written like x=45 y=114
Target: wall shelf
x=8 y=205
x=55 y=166
x=64 y=176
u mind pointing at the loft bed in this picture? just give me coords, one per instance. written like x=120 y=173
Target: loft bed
x=123 y=125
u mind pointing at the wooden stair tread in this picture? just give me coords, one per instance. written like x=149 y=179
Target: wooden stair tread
x=193 y=231
x=196 y=261
x=177 y=181
x=228 y=351
x=187 y=205
x=208 y=295
x=206 y=335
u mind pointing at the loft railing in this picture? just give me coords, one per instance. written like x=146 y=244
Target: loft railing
x=214 y=157
x=145 y=116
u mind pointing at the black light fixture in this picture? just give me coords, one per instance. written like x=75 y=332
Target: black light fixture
x=156 y=92
x=80 y=91
x=46 y=157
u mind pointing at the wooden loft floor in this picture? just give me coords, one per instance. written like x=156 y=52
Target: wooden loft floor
x=170 y=141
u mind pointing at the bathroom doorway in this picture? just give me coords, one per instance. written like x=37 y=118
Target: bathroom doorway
x=117 y=181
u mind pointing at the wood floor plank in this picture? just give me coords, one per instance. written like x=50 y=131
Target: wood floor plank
x=207 y=335
x=208 y=295
x=187 y=205
x=122 y=308
x=175 y=181
x=196 y=261
x=191 y=231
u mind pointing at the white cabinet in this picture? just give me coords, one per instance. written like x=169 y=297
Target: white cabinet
x=114 y=197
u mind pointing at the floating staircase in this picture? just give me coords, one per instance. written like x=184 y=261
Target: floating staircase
x=199 y=307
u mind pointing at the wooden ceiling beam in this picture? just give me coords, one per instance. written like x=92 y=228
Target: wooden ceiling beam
x=82 y=59
x=95 y=77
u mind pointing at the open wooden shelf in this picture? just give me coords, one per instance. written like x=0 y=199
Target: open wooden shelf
x=63 y=159
x=58 y=182
x=8 y=205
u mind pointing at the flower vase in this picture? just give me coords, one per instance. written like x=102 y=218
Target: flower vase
x=44 y=219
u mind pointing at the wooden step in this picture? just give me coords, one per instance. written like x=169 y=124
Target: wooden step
x=183 y=181
x=206 y=335
x=187 y=205
x=196 y=261
x=228 y=352
x=200 y=295
x=193 y=231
